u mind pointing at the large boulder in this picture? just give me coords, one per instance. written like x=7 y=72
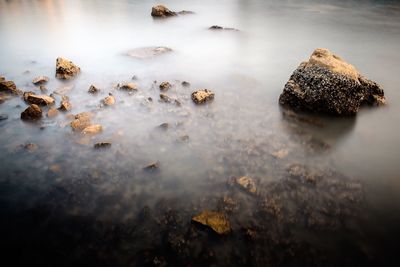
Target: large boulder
x=328 y=84
x=161 y=11
x=65 y=69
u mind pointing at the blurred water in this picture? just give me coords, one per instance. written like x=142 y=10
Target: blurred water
x=232 y=136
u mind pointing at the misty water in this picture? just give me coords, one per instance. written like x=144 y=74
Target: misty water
x=64 y=203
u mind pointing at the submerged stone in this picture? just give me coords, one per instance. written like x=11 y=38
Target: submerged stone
x=164 y=86
x=217 y=221
x=128 y=86
x=328 y=84
x=109 y=100
x=65 y=105
x=102 y=145
x=65 y=69
x=247 y=183
x=152 y=166
x=40 y=80
x=93 y=89
x=52 y=112
x=93 y=129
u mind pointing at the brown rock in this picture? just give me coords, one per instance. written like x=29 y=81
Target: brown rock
x=161 y=11
x=93 y=129
x=8 y=87
x=33 y=112
x=52 y=112
x=247 y=183
x=109 y=100
x=81 y=121
x=202 y=96
x=165 y=98
x=128 y=86
x=63 y=90
x=43 y=100
x=65 y=105
x=152 y=166
x=65 y=69
x=102 y=145
x=93 y=89
x=217 y=221
x=40 y=80
x=164 y=86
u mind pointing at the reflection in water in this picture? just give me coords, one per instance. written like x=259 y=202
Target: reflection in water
x=325 y=187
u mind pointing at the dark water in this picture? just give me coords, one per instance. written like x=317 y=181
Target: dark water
x=332 y=200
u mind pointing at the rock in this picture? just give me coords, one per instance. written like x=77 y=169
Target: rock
x=152 y=166
x=202 y=96
x=65 y=105
x=247 y=184
x=217 y=221
x=81 y=121
x=93 y=129
x=128 y=86
x=65 y=69
x=43 y=100
x=328 y=84
x=134 y=77
x=165 y=98
x=164 y=86
x=52 y=112
x=161 y=11
x=280 y=154
x=42 y=88
x=55 y=168
x=3 y=99
x=184 y=138
x=40 y=80
x=31 y=147
x=63 y=90
x=33 y=112
x=185 y=84
x=93 y=89
x=102 y=145
x=2 y=78
x=109 y=100
x=3 y=117
x=8 y=87
x=216 y=27
x=164 y=126
x=185 y=12
x=148 y=52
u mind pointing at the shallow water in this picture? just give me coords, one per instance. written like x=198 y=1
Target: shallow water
x=85 y=206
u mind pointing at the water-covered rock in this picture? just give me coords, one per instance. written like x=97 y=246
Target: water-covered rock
x=217 y=27
x=52 y=112
x=328 y=84
x=217 y=221
x=148 y=52
x=65 y=69
x=128 y=86
x=202 y=96
x=246 y=183
x=40 y=80
x=65 y=105
x=102 y=145
x=81 y=121
x=33 y=112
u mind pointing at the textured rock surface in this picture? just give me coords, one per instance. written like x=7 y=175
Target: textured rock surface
x=8 y=87
x=43 y=100
x=33 y=112
x=109 y=100
x=164 y=86
x=161 y=11
x=215 y=220
x=40 y=80
x=328 y=84
x=65 y=69
x=202 y=96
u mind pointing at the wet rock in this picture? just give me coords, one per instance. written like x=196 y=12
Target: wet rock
x=134 y=78
x=152 y=166
x=8 y=87
x=26 y=94
x=164 y=86
x=55 y=168
x=202 y=96
x=33 y=112
x=43 y=100
x=65 y=105
x=3 y=117
x=109 y=100
x=52 y=112
x=93 y=89
x=217 y=221
x=247 y=184
x=65 y=69
x=216 y=27
x=81 y=121
x=328 y=84
x=185 y=84
x=148 y=52
x=102 y=145
x=2 y=78
x=2 y=99
x=165 y=98
x=128 y=86
x=161 y=11
x=40 y=80
x=93 y=129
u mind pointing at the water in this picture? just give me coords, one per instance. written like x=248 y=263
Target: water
x=67 y=203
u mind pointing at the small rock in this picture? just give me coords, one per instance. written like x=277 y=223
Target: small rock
x=40 y=80
x=33 y=112
x=216 y=27
x=42 y=88
x=184 y=138
x=3 y=117
x=217 y=221
x=2 y=78
x=65 y=105
x=164 y=86
x=102 y=145
x=164 y=126
x=161 y=11
x=134 y=77
x=55 y=168
x=185 y=12
x=93 y=129
x=280 y=154
x=65 y=69
x=202 y=96
x=165 y=98
x=8 y=87
x=52 y=112
x=3 y=99
x=247 y=183
x=109 y=100
x=185 y=84
x=128 y=86
x=31 y=147
x=152 y=166
x=43 y=100
x=81 y=121
x=93 y=89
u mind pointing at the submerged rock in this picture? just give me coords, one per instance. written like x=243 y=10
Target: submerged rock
x=65 y=69
x=3 y=117
x=185 y=84
x=102 y=145
x=33 y=112
x=161 y=11
x=165 y=98
x=202 y=96
x=164 y=86
x=93 y=89
x=81 y=121
x=8 y=87
x=152 y=166
x=52 y=112
x=217 y=221
x=328 y=84
x=43 y=100
x=93 y=129
x=65 y=105
x=148 y=52
x=40 y=80
x=109 y=100
x=247 y=184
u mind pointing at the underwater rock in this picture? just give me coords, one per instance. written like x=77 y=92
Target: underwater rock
x=40 y=80
x=8 y=87
x=164 y=86
x=185 y=84
x=43 y=100
x=328 y=84
x=93 y=89
x=247 y=184
x=65 y=69
x=109 y=100
x=148 y=52
x=52 y=112
x=165 y=98
x=161 y=11
x=93 y=129
x=217 y=221
x=33 y=112
x=31 y=147
x=202 y=96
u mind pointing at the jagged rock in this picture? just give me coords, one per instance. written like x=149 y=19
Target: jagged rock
x=93 y=89
x=33 y=112
x=102 y=145
x=43 y=100
x=81 y=121
x=52 y=112
x=128 y=86
x=109 y=100
x=247 y=184
x=161 y=11
x=92 y=129
x=217 y=221
x=328 y=84
x=148 y=52
x=40 y=80
x=164 y=86
x=8 y=87
x=65 y=105
x=65 y=69
x=202 y=96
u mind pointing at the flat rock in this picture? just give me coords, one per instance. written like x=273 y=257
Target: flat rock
x=202 y=96
x=93 y=129
x=148 y=52
x=66 y=69
x=328 y=84
x=43 y=100
x=40 y=80
x=8 y=87
x=217 y=221
x=247 y=184
x=33 y=112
